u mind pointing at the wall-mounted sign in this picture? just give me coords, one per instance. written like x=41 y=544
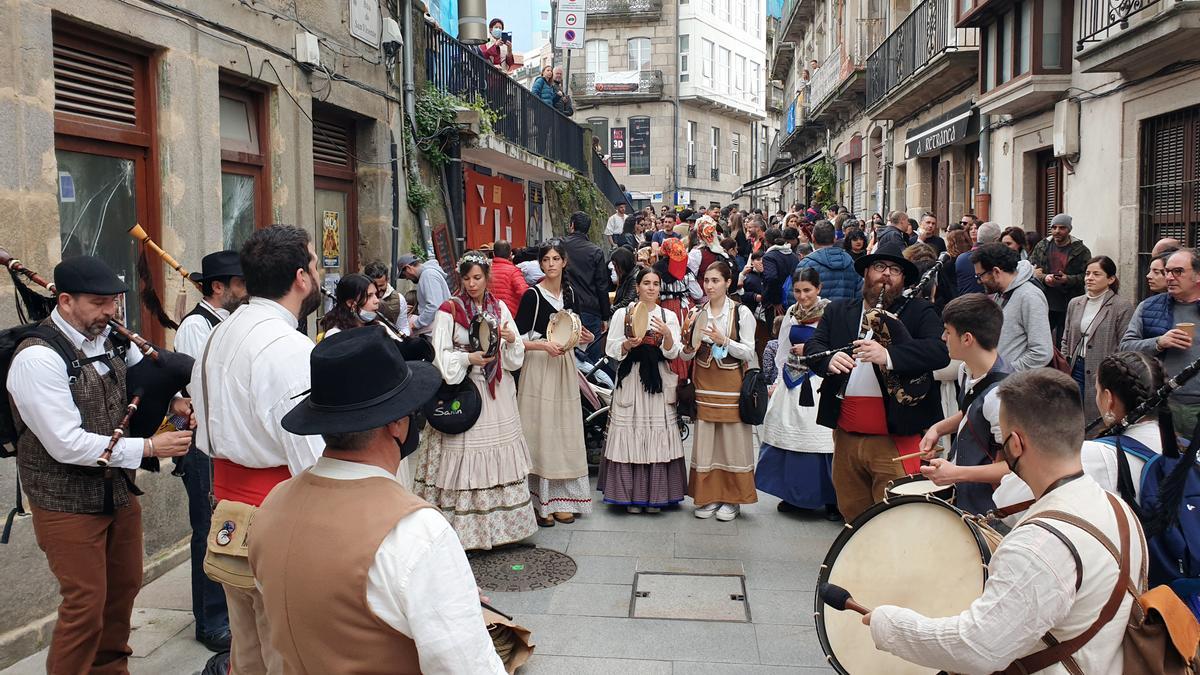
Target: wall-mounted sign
x=953 y=128
x=618 y=81
x=570 y=23
x=331 y=255
x=617 y=147
x=364 y=21
x=639 y=145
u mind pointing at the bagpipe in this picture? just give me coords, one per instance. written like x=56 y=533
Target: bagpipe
x=1158 y=398
x=411 y=348
x=147 y=290
x=151 y=384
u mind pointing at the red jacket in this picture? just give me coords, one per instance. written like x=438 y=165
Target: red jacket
x=507 y=283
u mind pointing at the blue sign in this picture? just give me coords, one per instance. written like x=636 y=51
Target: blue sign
x=791 y=116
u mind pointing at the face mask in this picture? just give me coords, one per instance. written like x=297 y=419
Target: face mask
x=612 y=273
x=1012 y=463
x=367 y=317
x=496 y=33
x=409 y=445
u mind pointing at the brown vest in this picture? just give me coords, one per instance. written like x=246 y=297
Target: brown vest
x=312 y=543
x=54 y=486
x=389 y=307
x=719 y=381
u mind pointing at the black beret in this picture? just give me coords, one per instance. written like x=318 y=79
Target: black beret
x=87 y=274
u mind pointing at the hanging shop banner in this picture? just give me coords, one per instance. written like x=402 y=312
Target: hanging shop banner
x=617 y=148
x=953 y=128
x=618 y=81
x=639 y=142
x=331 y=255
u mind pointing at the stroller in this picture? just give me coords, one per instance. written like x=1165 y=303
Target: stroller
x=596 y=387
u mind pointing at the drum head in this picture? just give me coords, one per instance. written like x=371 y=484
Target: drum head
x=562 y=329
x=699 y=323
x=880 y=559
x=918 y=485
x=641 y=319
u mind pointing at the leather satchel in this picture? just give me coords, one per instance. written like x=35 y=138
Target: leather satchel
x=227 y=560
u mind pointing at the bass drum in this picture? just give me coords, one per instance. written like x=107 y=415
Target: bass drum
x=918 y=485
x=878 y=557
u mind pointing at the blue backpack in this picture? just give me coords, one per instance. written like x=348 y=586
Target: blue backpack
x=1173 y=532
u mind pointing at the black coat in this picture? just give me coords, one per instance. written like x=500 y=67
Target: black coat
x=587 y=270
x=924 y=352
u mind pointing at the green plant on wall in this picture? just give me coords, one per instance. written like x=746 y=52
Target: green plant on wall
x=580 y=194
x=436 y=121
x=420 y=196
x=823 y=178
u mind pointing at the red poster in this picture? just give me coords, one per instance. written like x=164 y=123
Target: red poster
x=617 y=149
x=495 y=209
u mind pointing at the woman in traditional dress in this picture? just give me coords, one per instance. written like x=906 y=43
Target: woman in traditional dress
x=796 y=458
x=479 y=478
x=672 y=270
x=643 y=457
x=548 y=399
x=722 y=472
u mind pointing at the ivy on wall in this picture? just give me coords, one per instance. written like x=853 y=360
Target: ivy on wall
x=822 y=176
x=436 y=120
x=578 y=194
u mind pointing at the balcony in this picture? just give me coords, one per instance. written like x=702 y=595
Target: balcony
x=776 y=157
x=691 y=170
x=1136 y=37
x=925 y=57
x=627 y=86
x=715 y=174
x=836 y=87
x=612 y=12
x=797 y=15
x=782 y=59
x=742 y=105
x=774 y=98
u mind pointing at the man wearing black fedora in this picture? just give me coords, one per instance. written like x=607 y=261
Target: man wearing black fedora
x=878 y=395
x=356 y=573
x=223 y=288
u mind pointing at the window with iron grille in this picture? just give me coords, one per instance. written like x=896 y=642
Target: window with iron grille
x=1169 y=180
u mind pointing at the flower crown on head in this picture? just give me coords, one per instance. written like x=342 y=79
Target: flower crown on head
x=476 y=258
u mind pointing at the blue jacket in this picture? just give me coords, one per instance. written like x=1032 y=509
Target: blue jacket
x=1158 y=315
x=778 y=264
x=839 y=280
x=543 y=90
x=964 y=270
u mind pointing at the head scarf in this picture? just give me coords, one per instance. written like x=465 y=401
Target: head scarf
x=675 y=252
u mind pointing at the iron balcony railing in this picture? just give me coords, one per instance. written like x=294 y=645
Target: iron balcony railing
x=826 y=78
x=691 y=170
x=600 y=10
x=1098 y=18
x=775 y=98
x=649 y=86
x=927 y=33
x=525 y=120
x=715 y=173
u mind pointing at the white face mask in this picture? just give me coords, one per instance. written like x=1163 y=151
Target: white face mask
x=366 y=316
x=496 y=33
x=612 y=273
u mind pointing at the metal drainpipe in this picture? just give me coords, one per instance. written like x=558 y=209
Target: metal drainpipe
x=675 y=103
x=410 y=113
x=983 y=200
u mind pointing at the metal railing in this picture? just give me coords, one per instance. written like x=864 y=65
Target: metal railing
x=927 y=33
x=775 y=98
x=1097 y=18
x=585 y=85
x=525 y=120
x=715 y=174
x=691 y=170
x=827 y=78
x=613 y=9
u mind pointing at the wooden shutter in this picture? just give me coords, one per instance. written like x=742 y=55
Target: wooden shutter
x=331 y=143
x=1170 y=177
x=94 y=86
x=1050 y=190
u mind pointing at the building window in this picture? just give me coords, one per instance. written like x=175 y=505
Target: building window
x=741 y=14
x=639 y=53
x=545 y=16
x=596 y=56
x=104 y=147
x=639 y=146
x=599 y=127
x=1024 y=29
x=735 y=155
x=755 y=82
x=711 y=6
x=692 y=132
x=724 y=81
x=683 y=58
x=1052 y=34
x=728 y=11
x=244 y=196
x=715 y=155
x=739 y=74
x=1169 y=180
x=1027 y=38
x=706 y=66
x=335 y=192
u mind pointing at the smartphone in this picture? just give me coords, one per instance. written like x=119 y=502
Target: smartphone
x=506 y=37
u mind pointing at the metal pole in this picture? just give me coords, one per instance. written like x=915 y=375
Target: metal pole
x=410 y=114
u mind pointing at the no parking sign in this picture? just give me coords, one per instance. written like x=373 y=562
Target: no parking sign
x=570 y=24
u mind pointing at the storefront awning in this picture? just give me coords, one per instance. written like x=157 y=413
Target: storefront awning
x=777 y=176
x=952 y=128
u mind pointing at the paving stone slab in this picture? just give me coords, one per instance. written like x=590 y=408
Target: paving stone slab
x=604 y=569
x=690 y=566
x=698 y=597
x=792 y=608
x=789 y=646
x=153 y=627
x=591 y=599
x=621 y=543
x=542 y=664
x=650 y=639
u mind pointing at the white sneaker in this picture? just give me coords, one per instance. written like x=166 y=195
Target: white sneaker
x=653 y=509
x=707 y=510
x=633 y=509
x=728 y=512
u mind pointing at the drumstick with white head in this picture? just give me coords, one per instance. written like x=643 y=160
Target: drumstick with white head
x=839 y=598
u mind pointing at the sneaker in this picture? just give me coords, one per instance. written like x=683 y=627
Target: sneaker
x=653 y=509
x=728 y=512
x=707 y=510
x=633 y=509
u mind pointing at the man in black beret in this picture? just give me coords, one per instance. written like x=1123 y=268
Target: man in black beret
x=355 y=570
x=67 y=386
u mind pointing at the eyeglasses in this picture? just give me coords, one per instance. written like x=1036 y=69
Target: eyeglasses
x=980 y=275
x=881 y=267
x=1174 y=271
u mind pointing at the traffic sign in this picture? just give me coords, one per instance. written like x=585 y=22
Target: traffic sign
x=570 y=22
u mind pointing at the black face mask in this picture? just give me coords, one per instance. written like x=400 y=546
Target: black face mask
x=1012 y=463
x=409 y=445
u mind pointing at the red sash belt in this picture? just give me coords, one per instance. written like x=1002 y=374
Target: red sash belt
x=863 y=415
x=243 y=484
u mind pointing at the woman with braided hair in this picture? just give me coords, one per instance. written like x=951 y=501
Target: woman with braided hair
x=1124 y=380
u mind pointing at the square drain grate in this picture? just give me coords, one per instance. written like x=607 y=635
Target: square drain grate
x=694 y=597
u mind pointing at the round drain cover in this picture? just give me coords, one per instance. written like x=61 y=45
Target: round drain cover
x=512 y=570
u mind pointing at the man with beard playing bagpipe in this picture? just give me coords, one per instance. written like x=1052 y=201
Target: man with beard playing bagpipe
x=878 y=396
x=86 y=518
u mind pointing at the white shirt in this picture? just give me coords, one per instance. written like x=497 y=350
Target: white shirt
x=612 y=344
x=421 y=585
x=450 y=344
x=695 y=274
x=194 y=331
x=1091 y=307
x=38 y=387
x=742 y=348
x=1030 y=590
x=615 y=224
x=258 y=363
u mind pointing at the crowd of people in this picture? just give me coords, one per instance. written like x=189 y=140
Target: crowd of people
x=969 y=356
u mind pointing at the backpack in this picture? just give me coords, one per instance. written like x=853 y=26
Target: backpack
x=1174 y=543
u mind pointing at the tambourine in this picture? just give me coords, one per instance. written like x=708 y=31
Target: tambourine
x=485 y=334
x=564 y=329
x=696 y=330
x=637 y=320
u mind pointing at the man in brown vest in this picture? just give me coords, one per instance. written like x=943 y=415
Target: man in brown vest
x=356 y=573
x=87 y=519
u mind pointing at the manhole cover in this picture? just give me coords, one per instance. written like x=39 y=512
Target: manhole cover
x=520 y=569
x=696 y=597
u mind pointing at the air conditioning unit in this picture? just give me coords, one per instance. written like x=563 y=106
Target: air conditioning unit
x=1066 y=128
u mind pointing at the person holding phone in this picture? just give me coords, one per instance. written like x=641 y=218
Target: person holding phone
x=499 y=48
x=1059 y=262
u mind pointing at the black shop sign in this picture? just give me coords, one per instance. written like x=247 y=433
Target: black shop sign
x=953 y=128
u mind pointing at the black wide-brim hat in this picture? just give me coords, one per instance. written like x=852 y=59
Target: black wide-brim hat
x=891 y=254
x=219 y=265
x=360 y=381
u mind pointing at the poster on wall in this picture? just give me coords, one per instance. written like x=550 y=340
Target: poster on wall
x=639 y=145
x=617 y=149
x=331 y=255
